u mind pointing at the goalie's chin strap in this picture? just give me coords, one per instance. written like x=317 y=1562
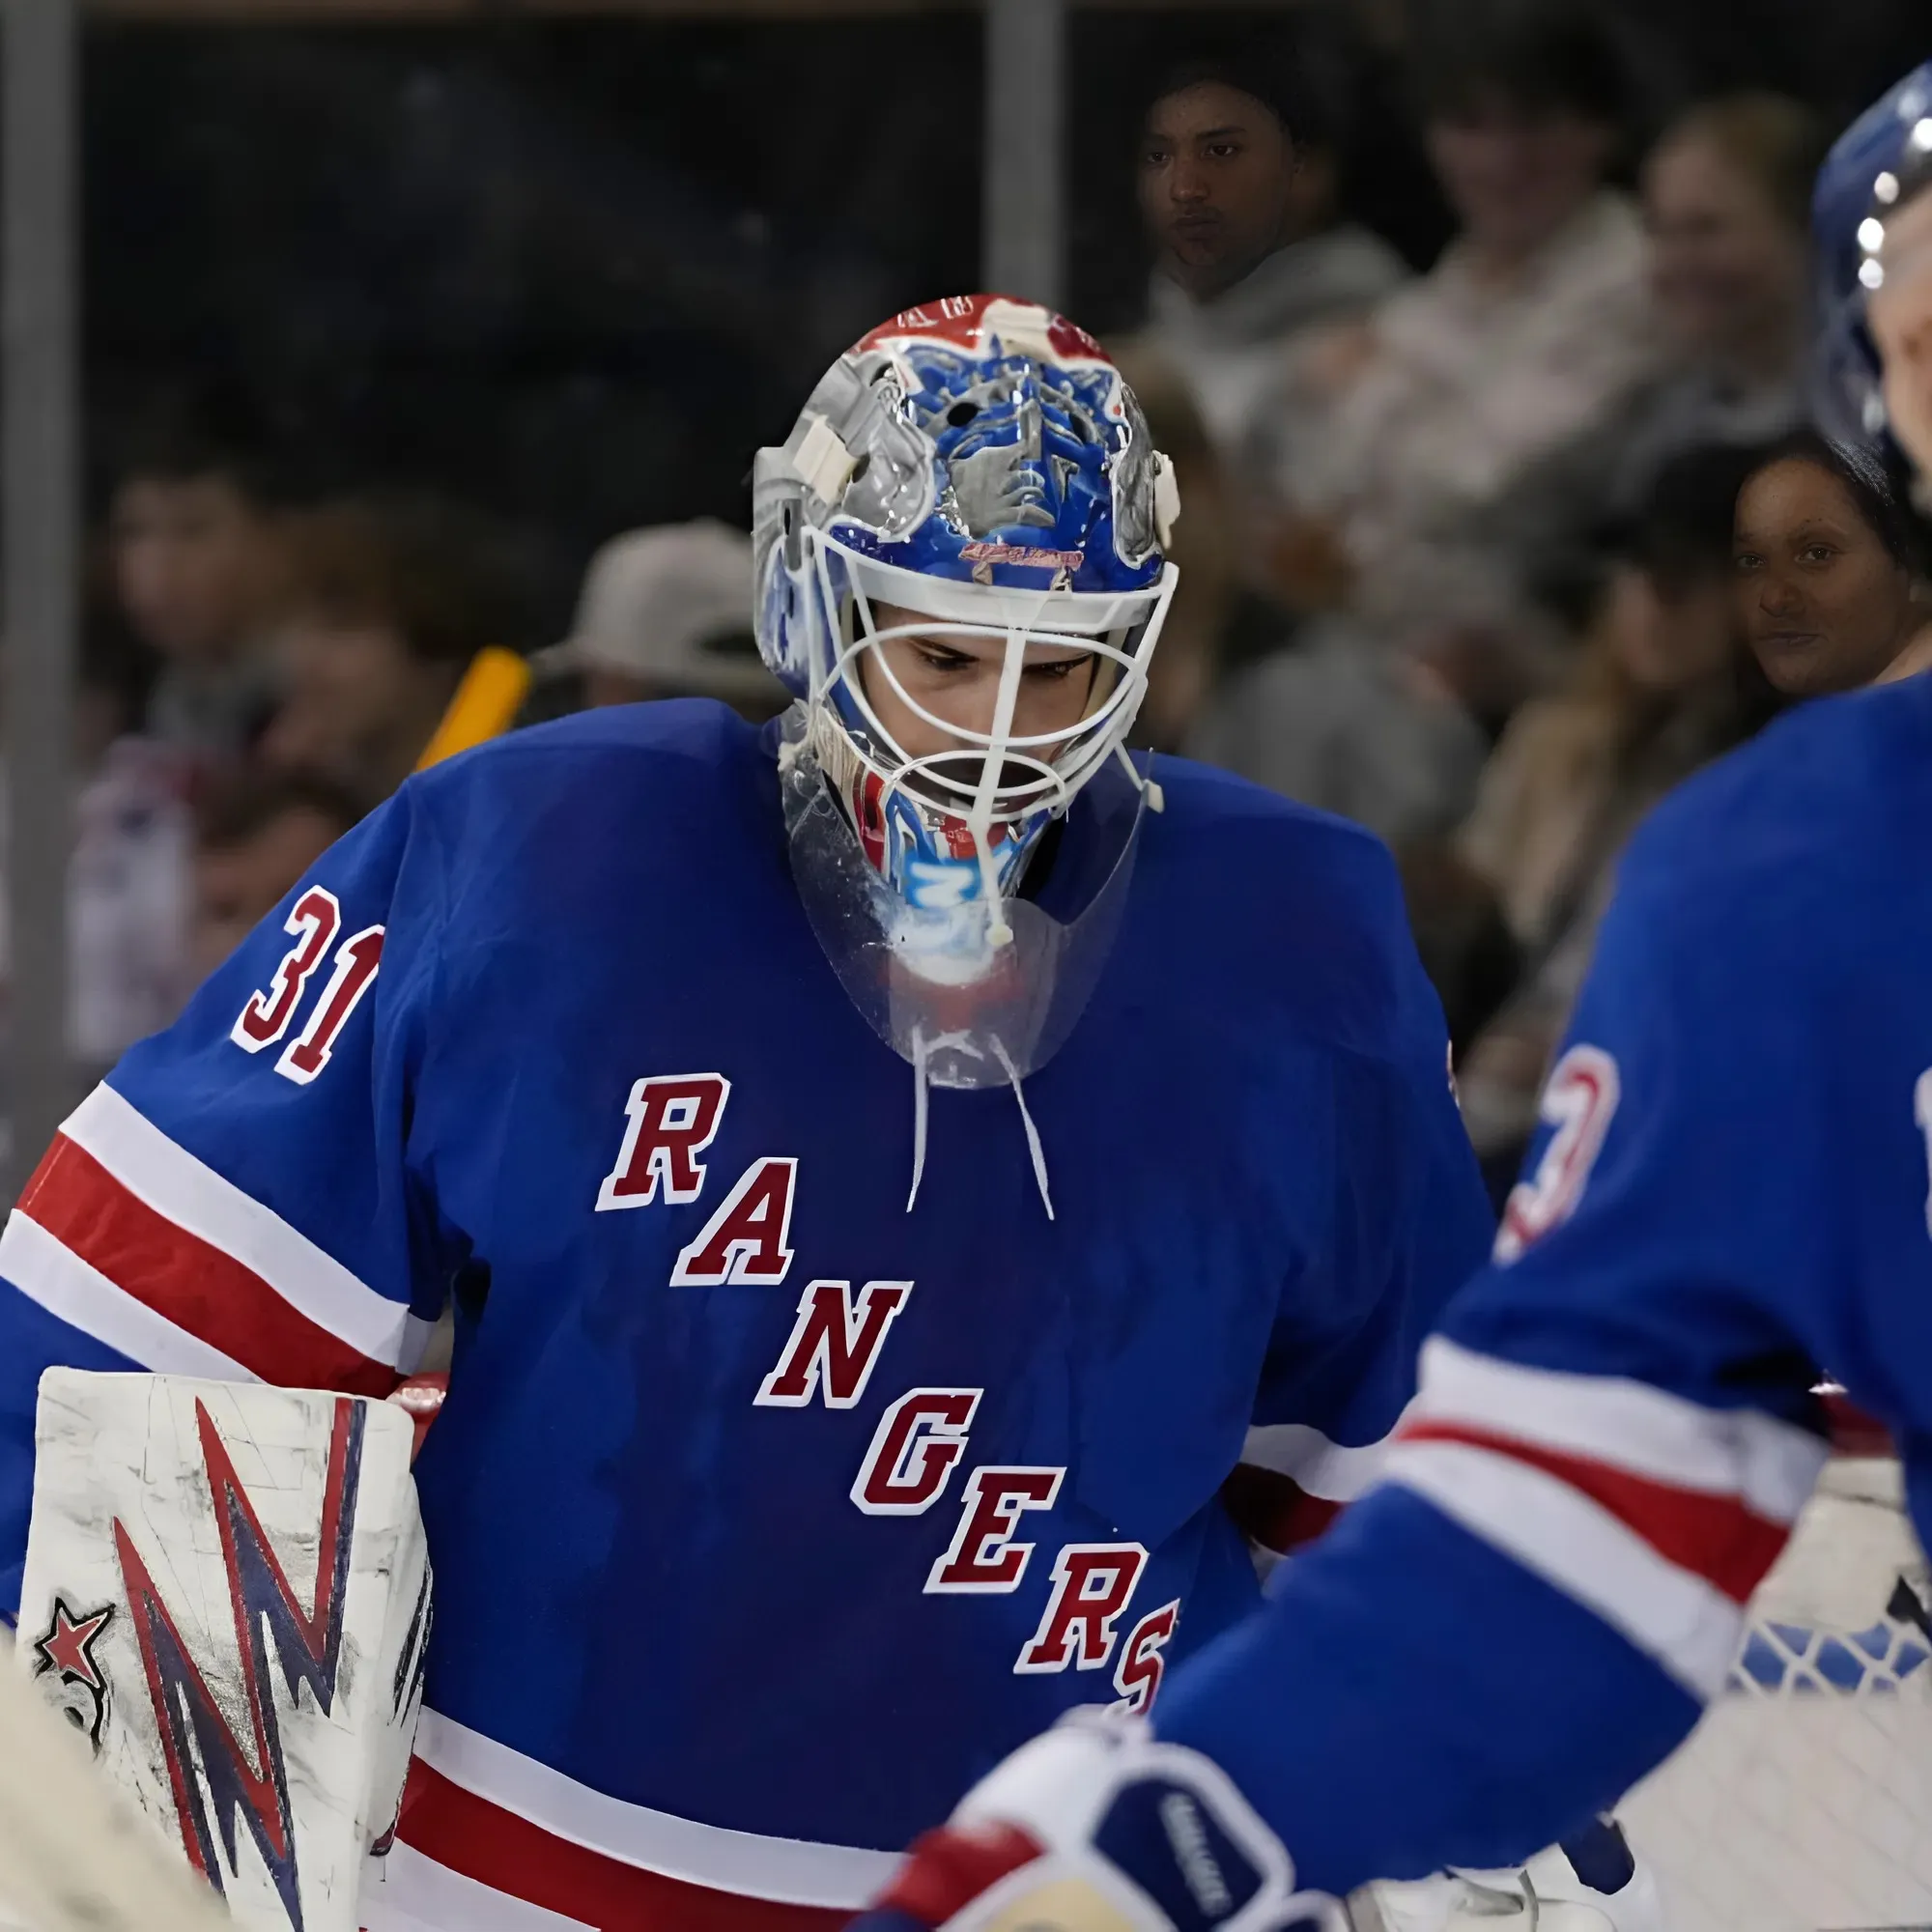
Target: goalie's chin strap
x=921 y=1050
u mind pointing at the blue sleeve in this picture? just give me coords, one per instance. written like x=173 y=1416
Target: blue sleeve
x=1411 y=1223
x=1613 y=1432
x=236 y=1200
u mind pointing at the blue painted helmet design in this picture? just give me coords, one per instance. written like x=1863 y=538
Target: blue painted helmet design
x=981 y=463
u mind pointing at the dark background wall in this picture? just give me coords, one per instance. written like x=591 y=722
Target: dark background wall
x=578 y=270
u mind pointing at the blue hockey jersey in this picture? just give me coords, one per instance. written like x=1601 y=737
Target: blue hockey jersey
x=767 y=1513
x=1615 y=1427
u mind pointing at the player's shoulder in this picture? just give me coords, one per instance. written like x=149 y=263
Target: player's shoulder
x=675 y=759
x=597 y=791
x=670 y=736
x=1821 y=806
x=1222 y=825
x=1303 y=908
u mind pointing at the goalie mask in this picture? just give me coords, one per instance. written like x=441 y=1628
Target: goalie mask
x=974 y=478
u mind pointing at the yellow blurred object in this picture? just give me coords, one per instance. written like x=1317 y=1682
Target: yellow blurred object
x=486 y=702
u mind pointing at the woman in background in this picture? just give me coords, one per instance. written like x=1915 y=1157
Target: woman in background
x=1832 y=570
x=1726 y=197
x=1664 y=687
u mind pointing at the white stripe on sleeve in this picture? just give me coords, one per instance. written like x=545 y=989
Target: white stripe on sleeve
x=1330 y=1470
x=1687 y=1625
x=1770 y=1465
x=47 y=1270
x=193 y=1196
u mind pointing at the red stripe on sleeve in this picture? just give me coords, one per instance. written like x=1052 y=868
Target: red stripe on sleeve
x=1715 y=1537
x=188 y=1281
x=1274 y=1509
x=496 y=1848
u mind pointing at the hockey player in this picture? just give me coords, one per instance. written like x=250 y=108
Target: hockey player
x=1615 y=1427
x=882 y=1173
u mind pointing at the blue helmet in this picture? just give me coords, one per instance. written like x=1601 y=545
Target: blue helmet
x=980 y=462
x=1880 y=162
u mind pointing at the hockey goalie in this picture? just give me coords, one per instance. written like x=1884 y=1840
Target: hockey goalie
x=227 y=1594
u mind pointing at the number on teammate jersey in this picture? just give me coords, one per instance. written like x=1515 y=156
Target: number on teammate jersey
x=1579 y=1102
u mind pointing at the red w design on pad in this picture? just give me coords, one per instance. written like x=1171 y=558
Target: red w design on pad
x=249 y=1782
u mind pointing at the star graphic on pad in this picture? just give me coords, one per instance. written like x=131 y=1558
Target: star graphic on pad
x=68 y=1646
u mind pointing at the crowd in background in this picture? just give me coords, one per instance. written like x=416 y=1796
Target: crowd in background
x=1525 y=539
x=1485 y=556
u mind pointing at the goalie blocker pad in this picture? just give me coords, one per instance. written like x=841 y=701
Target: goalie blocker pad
x=228 y=1593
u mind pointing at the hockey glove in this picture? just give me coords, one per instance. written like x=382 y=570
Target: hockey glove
x=1097 y=1828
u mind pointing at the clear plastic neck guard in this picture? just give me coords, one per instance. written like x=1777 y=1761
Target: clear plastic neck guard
x=978 y=994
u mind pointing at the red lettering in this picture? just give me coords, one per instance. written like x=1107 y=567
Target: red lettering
x=355 y=967
x=982 y=1559
x=745 y=1240
x=833 y=1345
x=675 y=1117
x=316 y=917
x=1138 y=1674
x=1092 y=1585
x=914 y=1448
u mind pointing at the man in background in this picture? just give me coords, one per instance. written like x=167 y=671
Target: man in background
x=1239 y=176
x=196 y=552
x=1399 y=434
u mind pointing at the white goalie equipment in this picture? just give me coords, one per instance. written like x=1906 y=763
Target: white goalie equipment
x=227 y=1594
x=1803 y=1801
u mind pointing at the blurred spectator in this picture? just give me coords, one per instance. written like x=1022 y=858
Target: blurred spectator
x=1832 y=570
x=1726 y=195
x=1461 y=938
x=1728 y=199
x=667 y=612
x=127 y=880
x=1665 y=685
x=389 y=596
x=196 y=546
x=1208 y=600
x=256 y=834
x=1348 y=728
x=128 y=891
x=1534 y=325
x=1237 y=189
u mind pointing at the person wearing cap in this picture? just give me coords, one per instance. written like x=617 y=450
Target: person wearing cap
x=662 y=614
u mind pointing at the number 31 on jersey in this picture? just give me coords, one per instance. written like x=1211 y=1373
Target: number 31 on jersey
x=314 y=920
